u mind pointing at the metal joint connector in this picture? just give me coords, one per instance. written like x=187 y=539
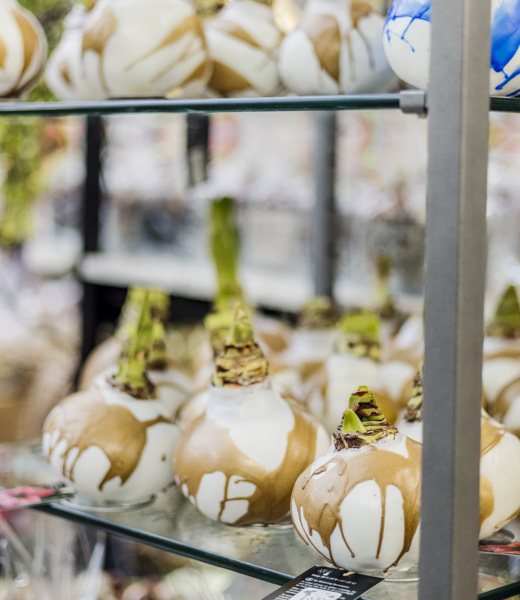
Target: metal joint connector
x=414 y=102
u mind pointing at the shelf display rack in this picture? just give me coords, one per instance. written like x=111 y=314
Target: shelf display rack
x=458 y=112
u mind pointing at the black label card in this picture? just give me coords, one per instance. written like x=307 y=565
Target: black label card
x=325 y=583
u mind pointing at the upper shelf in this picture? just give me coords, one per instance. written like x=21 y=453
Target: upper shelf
x=228 y=105
x=217 y=105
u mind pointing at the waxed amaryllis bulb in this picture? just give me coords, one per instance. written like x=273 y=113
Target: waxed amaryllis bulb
x=499 y=464
x=242 y=42
x=336 y=49
x=312 y=342
x=65 y=74
x=115 y=442
x=501 y=368
x=499 y=476
x=358 y=505
x=135 y=48
x=407 y=35
x=355 y=361
x=111 y=446
x=237 y=462
x=23 y=49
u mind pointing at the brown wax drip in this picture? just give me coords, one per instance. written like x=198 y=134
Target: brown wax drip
x=324 y=33
x=190 y=24
x=227 y=80
x=235 y=31
x=3 y=53
x=101 y=27
x=30 y=45
x=321 y=493
x=206 y=447
x=85 y=420
x=63 y=68
x=487 y=499
x=359 y=9
x=29 y=36
x=490 y=435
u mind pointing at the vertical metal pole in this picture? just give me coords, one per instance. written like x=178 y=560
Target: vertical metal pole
x=454 y=296
x=323 y=231
x=197 y=151
x=91 y=204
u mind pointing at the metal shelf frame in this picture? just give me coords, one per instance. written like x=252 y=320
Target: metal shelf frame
x=458 y=103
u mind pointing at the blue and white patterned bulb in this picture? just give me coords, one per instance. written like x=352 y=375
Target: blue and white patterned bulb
x=407 y=44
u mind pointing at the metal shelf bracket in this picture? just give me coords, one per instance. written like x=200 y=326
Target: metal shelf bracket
x=414 y=102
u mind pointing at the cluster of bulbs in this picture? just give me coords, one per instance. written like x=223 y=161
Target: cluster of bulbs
x=199 y=48
x=185 y=48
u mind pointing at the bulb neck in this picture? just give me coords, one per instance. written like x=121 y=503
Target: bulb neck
x=363 y=422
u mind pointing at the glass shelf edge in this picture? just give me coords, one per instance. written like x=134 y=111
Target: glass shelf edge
x=389 y=101
x=193 y=552
x=172 y=546
x=502 y=593
x=158 y=105
x=499 y=104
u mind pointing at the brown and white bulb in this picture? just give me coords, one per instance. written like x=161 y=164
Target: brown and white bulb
x=23 y=49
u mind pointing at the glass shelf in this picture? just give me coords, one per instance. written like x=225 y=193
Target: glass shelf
x=273 y=554
x=222 y=105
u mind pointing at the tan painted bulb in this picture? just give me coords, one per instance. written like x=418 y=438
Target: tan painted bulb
x=499 y=465
x=356 y=361
x=499 y=476
x=111 y=446
x=501 y=368
x=64 y=73
x=23 y=50
x=337 y=49
x=242 y=41
x=358 y=505
x=312 y=341
x=237 y=462
x=115 y=442
x=133 y=48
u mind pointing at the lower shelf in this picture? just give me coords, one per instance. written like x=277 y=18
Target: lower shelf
x=274 y=554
